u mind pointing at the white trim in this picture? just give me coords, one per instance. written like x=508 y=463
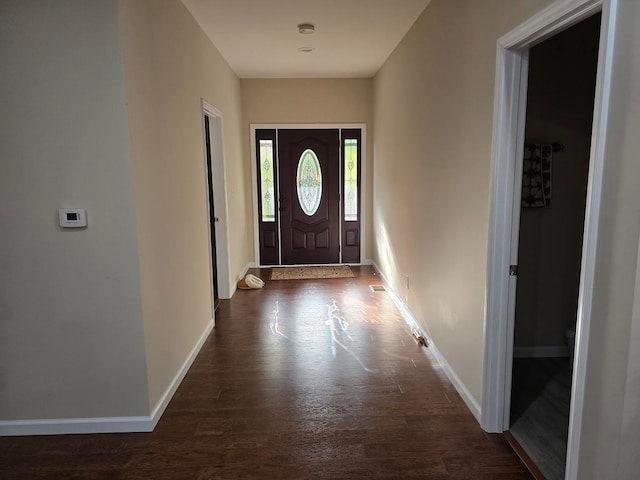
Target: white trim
x=363 y=189
x=234 y=287
x=62 y=426
x=413 y=322
x=502 y=230
x=65 y=426
x=254 y=194
x=549 y=21
x=499 y=301
x=246 y=269
x=162 y=404
x=216 y=131
x=306 y=126
x=541 y=352
x=516 y=194
x=590 y=236
x=458 y=384
x=310 y=126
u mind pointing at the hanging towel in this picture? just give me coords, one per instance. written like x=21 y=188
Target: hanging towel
x=536 y=175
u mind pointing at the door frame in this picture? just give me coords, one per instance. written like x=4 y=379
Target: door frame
x=219 y=184
x=310 y=126
x=504 y=212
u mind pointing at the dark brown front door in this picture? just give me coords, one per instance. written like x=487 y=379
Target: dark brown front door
x=309 y=196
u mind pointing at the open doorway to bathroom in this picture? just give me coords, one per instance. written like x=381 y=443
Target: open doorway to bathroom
x=559 y=117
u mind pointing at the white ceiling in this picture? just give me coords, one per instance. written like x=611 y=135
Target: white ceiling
x=260 y=39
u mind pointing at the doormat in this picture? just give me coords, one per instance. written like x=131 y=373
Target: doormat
x=305 y=273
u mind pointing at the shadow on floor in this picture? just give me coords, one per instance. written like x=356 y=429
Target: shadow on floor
x=540 y=404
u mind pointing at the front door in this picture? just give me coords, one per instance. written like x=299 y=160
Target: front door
x=309 y=207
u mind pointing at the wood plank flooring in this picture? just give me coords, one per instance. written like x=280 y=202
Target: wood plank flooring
x=312 y=379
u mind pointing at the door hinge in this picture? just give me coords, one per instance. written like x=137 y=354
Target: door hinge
x=339 y=248
x=513 y=270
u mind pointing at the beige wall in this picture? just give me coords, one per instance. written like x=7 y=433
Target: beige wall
x=433 y=119
x=102 y=110
x=562 y=75
x=312 y=101
x=71 y=337
x=170 y=66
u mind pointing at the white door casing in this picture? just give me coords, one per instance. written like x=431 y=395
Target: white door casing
x=504 y=211
x=218 y=178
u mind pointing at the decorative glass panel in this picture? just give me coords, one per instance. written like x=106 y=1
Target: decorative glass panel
x=309 y=182
x=351 y=180
x=266 y=181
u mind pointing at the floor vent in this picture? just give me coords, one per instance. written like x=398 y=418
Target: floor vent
x=377 y=288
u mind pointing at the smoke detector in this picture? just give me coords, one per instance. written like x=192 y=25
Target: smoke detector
x=306 y=28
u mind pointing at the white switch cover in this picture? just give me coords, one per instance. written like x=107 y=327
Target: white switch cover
x=72 y=217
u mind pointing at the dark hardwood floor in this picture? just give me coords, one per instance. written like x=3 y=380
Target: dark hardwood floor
x=284 y=389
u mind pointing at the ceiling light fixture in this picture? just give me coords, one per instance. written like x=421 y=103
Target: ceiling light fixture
x=306 y=49
x=306 y=28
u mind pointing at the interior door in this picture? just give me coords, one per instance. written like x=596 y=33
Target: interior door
x=309 y=196
x=212 y=214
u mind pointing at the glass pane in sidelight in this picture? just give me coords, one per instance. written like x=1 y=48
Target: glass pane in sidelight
x=351 y=180
x=267 y=185
x=309 y=182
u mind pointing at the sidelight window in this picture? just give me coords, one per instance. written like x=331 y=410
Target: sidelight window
x=267 y=181
x=351 y=180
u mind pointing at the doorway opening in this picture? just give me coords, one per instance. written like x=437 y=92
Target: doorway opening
x=506 y=192
x=557 y=140
x=308 y=194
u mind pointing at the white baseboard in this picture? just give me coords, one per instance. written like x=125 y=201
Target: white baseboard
x=461 y=388
x=381 y=273
x=412 y=321
x=64 y=426
x=246 y=268
x=157 y=412
x=541 y=352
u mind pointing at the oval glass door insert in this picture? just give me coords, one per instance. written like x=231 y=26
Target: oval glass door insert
x=309 y=182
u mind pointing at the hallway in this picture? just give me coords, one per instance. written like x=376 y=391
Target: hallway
x=282 y=391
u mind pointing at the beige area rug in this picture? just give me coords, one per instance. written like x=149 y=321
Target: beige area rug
x=304 y=273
